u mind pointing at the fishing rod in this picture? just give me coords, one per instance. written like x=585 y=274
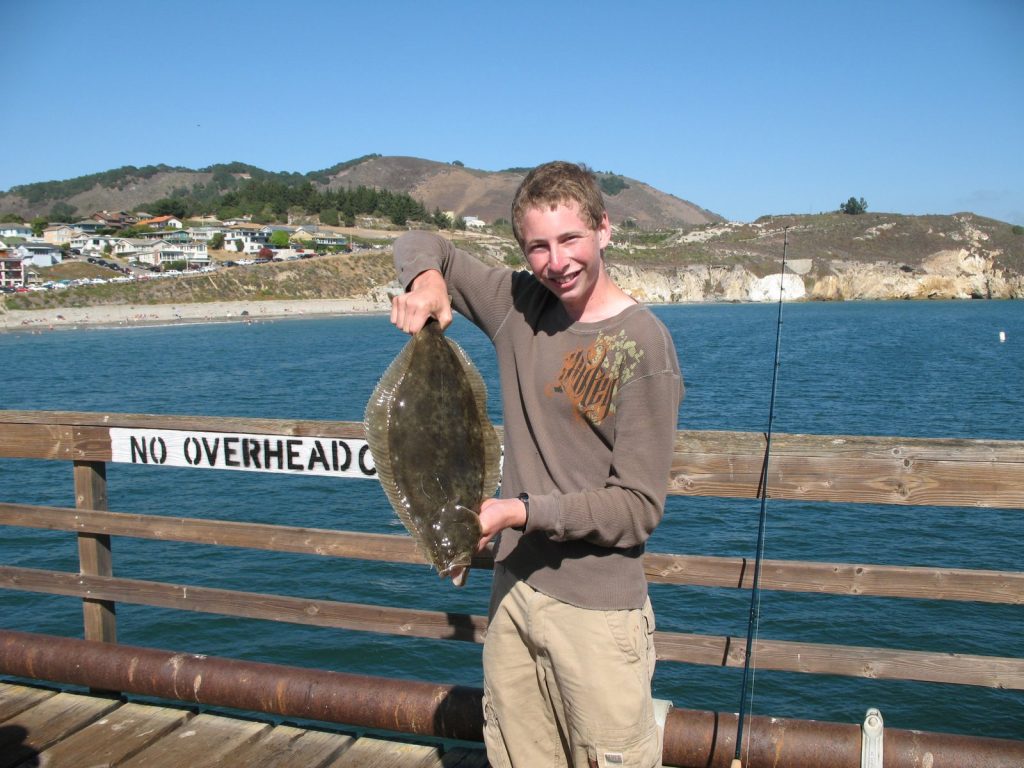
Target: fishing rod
x=762 y=492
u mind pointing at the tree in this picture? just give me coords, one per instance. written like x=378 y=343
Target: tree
x=171 y=206
x=441 y=219
x=854 y=206
x=217 y=241
x=39 y=223
x=62 y=211
x=279 y=239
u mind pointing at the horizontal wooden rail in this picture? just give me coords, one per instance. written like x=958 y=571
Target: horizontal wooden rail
x=852 y=469
x=1001 y=587
x=810 y=468
x=779 y=655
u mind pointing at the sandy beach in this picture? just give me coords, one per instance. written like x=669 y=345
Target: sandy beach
x=162 y=314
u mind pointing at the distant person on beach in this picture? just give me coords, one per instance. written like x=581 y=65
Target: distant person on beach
x=591 y=390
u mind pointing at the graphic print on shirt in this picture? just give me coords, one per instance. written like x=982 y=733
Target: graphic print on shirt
x=591 y=376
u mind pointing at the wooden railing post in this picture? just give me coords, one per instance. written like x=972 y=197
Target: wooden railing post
x=94 y=553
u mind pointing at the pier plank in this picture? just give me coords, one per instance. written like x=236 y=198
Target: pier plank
x=18 y=698
x=370 y=752
x=290 y=747
x=70 y=730
x=115 y=737
x=205 y=741
x=35 y=729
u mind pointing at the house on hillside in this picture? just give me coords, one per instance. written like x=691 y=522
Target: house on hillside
x=92 y=245
x=39 y=254
x=304 y=233
x=131 y=247
x=162 y=222
x=12 y=269
x=203 y=234
x=170 y=235
x=474 y=222
x=88 y=225
x=160 y=252
x=58 y=234
x=319 y=236
x=114 y=219
x=9 y=229
x=245 y=238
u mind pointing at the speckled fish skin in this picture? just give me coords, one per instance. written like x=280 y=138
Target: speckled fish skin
x=435 y=450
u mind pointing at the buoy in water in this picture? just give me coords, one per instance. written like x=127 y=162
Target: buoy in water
x=1002 y=336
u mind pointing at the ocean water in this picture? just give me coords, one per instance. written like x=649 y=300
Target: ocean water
x=890 y=368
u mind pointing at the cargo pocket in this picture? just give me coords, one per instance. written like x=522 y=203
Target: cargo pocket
x=497 y=752
x=651 y=654
x=628 y=750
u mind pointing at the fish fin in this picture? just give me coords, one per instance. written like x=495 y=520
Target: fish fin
x=459 y=574
x=376 y=425
x=492 y=446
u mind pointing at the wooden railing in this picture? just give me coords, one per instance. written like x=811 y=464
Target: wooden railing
x=876 y=470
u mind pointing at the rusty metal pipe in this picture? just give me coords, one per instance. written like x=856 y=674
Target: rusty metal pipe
x=447 y=711
x=693 y=739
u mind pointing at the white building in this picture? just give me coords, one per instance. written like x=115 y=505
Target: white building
x=39 y=254
x=9 y=229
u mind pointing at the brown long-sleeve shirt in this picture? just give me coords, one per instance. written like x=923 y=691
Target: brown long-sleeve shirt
x=590 y=412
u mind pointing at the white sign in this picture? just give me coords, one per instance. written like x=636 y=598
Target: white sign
x=330 y=456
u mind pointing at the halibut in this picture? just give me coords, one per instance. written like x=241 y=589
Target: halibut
x=436 y=452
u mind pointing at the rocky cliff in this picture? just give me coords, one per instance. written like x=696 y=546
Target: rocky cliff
x=897 y=257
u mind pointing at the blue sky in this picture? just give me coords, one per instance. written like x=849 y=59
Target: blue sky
x=744 y=108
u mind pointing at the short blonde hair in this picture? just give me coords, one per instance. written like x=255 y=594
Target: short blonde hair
x=557 y=182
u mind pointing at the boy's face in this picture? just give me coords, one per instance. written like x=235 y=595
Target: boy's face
x=565 y=253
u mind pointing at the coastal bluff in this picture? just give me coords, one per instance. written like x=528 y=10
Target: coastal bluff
x=830 y=257
x=947 y=275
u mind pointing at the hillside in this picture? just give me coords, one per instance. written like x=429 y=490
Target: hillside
x=447 y=187
x=488 y=195
x=663 y=249
x=328 y=277
x=905 y=241
x=829 y=257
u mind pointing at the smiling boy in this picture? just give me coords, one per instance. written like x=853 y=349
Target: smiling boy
x=590 y=391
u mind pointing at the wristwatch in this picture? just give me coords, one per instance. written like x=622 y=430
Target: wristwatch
x=525 y=498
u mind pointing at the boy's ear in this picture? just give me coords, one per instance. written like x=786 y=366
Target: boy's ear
x=604 y=231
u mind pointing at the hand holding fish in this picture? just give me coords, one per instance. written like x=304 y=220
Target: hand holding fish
x=426 y=297
x=495 y=516
x=498 y=514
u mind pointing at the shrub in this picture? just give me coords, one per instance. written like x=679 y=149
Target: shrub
x=853 y=206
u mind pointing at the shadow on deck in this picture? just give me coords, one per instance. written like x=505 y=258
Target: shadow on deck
x=50 y=728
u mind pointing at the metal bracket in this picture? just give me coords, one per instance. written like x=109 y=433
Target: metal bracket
x=871 y=740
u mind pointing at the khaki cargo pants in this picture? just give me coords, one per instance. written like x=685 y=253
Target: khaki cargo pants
x=567 y=686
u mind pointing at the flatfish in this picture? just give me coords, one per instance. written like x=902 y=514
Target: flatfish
x=436 y=451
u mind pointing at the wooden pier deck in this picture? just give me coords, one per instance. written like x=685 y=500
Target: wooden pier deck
x=44 y=727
